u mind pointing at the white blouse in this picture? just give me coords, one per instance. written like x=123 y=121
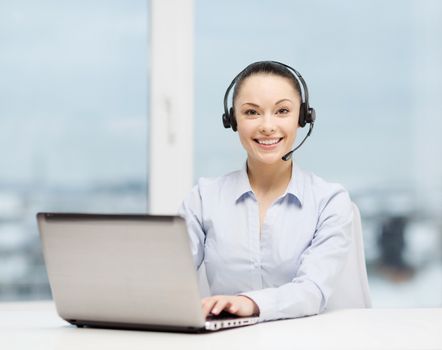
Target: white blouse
x=290 y=267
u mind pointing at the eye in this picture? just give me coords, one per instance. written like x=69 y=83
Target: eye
x=283 y=111
x=250 y=112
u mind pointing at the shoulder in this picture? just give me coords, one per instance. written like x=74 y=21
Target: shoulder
x=213 y=185
x=332 y=204
x=209 y=188
x=324 y=193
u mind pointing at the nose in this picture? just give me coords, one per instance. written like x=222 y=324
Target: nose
x=267 y=125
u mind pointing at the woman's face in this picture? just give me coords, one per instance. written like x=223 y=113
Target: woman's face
x=267 y=112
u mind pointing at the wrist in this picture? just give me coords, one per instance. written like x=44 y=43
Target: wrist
x=254 y=306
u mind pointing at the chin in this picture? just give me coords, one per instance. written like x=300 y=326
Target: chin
x=267 y=159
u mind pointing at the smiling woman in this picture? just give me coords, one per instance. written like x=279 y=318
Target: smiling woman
x=272 y=236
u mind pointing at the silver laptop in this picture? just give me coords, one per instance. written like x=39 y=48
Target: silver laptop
x=125 y=271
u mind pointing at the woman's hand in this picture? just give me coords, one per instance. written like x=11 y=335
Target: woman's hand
x=235 y=304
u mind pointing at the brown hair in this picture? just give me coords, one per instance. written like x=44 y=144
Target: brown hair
x=266 y=67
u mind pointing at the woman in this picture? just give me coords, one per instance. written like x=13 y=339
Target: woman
x=273 y=237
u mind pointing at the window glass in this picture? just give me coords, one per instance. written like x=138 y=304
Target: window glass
x=73 y=122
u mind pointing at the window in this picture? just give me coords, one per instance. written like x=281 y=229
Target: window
x=73 y=122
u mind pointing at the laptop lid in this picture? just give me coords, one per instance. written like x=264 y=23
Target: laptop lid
x=121 y=269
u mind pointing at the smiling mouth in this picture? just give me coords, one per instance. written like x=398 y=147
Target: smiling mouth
x=268 y=142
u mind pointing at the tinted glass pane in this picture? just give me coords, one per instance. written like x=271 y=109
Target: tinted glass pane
x=73 y=121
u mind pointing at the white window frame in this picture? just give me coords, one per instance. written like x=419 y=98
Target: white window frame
x=171 y=104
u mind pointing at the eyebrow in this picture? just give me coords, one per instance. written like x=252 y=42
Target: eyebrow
x=284 y=99
x=278 y=102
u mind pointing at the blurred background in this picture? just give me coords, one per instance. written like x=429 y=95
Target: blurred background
x=74 y=119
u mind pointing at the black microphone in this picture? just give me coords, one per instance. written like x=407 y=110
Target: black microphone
x=287 y=156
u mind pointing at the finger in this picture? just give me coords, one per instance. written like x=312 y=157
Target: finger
x=220 y=305
x=209 y=300
x=233 y=308
x=208 y=305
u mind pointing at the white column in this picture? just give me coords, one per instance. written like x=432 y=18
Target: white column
x=171 y=104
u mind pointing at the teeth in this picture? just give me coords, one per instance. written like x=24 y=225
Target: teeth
x=268 y=142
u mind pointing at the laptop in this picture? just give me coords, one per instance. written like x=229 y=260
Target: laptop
x=125 y=271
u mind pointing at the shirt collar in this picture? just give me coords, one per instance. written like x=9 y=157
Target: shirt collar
x=242 y=185
x=294 y=188
x=296 y=184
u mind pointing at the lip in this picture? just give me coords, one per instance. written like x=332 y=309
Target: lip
x=268 y=147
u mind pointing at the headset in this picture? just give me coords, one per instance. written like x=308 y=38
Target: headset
x=307 y=114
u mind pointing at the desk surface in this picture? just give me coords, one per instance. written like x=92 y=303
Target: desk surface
x=35 y=325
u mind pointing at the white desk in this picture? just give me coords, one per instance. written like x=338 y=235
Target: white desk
x=36 y=326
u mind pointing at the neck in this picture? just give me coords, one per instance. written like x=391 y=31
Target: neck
x=267 y=178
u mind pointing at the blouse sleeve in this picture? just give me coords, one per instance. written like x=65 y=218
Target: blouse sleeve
x=321 y=262
x=191 y=211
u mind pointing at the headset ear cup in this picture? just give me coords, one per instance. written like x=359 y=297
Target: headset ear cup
x=226 y=121
x=311 y=115
x=302 y=115
x=232 y=119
